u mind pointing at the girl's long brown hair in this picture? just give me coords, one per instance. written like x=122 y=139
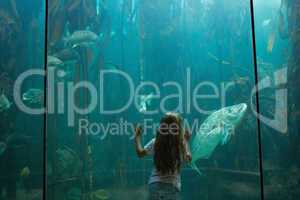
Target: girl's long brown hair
x=168 y=144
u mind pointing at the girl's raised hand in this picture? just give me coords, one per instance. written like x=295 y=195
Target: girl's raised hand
x=138 y=131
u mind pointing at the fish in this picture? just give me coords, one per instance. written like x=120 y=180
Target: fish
x=266 y=22
x=53 y=61
x=224 y=62
x=82 y=38
x=15 y=140
x=25 y=172
x=112 y=33
x=5 y=104
x=3 y=147
x=241 y=80
x=100 y=195
x=33 y=96
x=218 y=60
x=61 y=74
x=212 y=56
x=68 y=55
x=217 y=129
x=144 y=102
x=111 y=66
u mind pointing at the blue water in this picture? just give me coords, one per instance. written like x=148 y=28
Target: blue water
x=175 y=50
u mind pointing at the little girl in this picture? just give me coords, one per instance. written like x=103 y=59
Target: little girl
x=169 y=149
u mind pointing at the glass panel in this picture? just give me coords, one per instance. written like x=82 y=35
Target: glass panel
x=218 y=48
x=277 y=27
x=21 y=135
x=196 y=57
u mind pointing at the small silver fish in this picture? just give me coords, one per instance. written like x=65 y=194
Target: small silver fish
x=82 y=38
x=144 y=102
x=112 y=33
x=266 y=22
x=62 y=74
x=54 y=62
x=33 y=96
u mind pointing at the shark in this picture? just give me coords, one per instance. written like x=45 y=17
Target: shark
x=217 y=129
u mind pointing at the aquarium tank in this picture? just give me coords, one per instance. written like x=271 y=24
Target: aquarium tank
x=78 y=76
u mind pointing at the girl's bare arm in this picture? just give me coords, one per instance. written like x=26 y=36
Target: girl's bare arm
x=186 y=147
x=140 y=151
